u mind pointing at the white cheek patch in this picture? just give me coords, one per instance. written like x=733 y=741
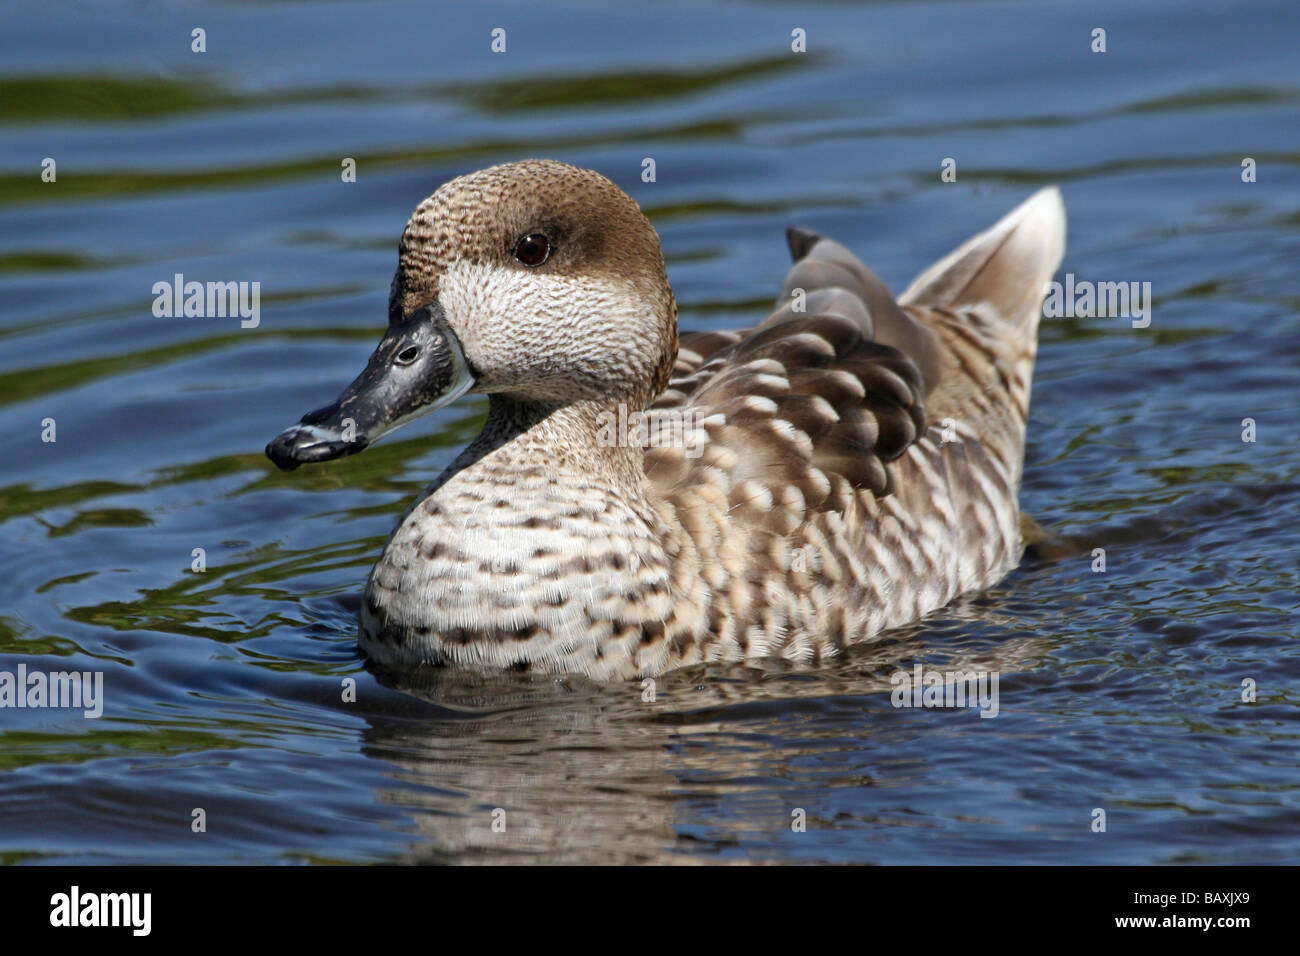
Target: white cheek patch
x=509 y=318
x=475 y=293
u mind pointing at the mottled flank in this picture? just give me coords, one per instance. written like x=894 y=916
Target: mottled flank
x=846 y=466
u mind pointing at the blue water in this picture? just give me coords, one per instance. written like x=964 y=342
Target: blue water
x=1119 y=691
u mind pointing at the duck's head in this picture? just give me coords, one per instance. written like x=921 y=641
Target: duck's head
x=535 y=280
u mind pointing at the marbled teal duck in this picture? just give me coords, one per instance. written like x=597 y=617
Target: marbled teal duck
x=847 y=465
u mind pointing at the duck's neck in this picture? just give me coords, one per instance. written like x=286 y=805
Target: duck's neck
x=572 y=438
x=548 y=478
x=539 y=542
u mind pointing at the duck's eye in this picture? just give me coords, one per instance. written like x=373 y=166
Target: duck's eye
x=533 y=250
x=408 y=355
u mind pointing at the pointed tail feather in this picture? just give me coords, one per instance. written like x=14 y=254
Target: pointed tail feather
x=1007 y=266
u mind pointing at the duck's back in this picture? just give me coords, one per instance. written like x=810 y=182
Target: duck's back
x=855 y=460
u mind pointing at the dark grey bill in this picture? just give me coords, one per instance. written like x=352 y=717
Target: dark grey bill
x=418 y=366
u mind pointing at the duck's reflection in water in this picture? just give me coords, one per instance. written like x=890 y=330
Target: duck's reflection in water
x=564 y=770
